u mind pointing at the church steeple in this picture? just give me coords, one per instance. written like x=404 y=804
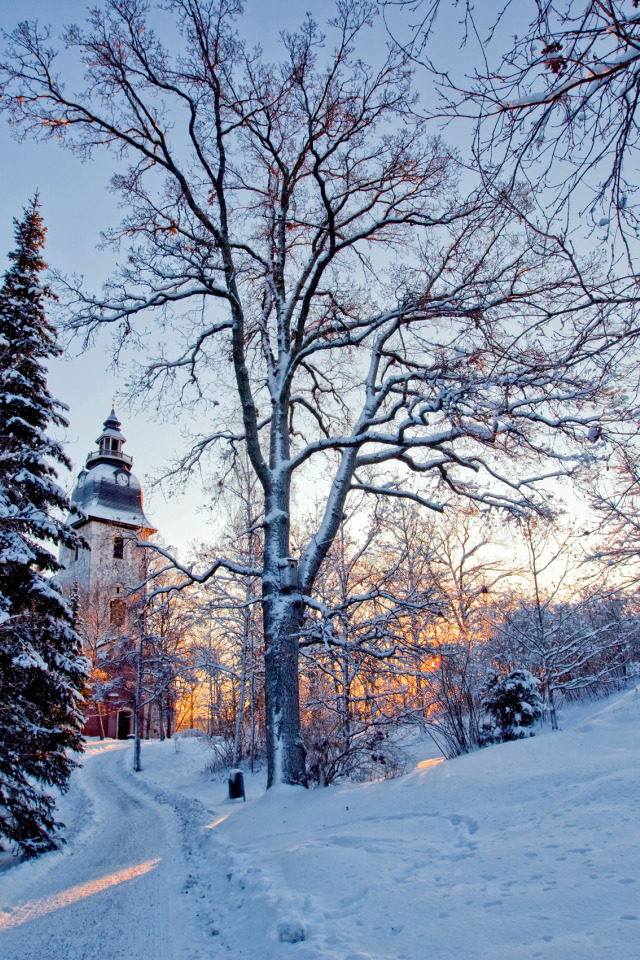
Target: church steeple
x=107 y=490
x=110 y=444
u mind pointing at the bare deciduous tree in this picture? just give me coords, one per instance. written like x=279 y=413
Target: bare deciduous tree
x=616 y=500
x=298 y=235
x=229 y=640
x=559 y=108
x=563 y=630
x=451 y=651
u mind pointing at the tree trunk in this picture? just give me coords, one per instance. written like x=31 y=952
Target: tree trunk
x=552 y=707
x=161 y=717
x=210 y=677
x=100 y=721
x=243 y=681
x=283 y=617
x=345 y=720
x=137 y=766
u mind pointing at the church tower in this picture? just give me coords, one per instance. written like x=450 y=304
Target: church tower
x=111 y=520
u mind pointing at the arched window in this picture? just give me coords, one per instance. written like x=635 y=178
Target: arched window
x=118 y=548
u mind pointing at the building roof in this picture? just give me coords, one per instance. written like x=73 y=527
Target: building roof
x=107 y=489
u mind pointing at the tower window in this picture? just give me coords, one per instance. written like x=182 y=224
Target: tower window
x=118 y=548
x=118 y=613
x=110 y=445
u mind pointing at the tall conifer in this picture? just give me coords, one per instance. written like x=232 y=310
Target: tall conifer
x=41 y=667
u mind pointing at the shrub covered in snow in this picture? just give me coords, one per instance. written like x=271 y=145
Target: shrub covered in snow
x=512 y=705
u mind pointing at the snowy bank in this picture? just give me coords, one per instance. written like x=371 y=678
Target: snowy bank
x=520 y=851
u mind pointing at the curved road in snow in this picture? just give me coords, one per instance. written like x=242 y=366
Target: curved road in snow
x=112 y=894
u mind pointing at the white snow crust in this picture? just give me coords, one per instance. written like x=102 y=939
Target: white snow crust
x=523 y=850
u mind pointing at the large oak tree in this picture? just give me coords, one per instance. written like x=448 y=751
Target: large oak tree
x=324 y=296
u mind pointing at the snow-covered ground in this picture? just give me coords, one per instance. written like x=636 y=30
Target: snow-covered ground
x=524 y=850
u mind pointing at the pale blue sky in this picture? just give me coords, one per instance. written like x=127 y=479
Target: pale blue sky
x=76 y=206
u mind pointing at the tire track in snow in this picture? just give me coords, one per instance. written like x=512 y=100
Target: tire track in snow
x=113 y=895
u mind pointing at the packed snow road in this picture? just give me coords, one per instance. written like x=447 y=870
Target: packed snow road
x=112 y=893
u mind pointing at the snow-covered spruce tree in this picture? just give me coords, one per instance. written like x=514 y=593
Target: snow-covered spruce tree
x=513 y=705
x=41 y=667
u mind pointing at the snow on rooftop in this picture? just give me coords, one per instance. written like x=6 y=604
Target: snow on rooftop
x=100 y=496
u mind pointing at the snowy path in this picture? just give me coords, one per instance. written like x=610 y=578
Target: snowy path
x=112 y=893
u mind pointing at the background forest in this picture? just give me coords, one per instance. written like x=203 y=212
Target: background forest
x=471 y=628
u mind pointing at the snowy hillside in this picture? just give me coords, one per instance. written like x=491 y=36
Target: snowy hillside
x=524 y=850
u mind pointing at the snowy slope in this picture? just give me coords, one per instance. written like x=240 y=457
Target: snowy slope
x=523 y=850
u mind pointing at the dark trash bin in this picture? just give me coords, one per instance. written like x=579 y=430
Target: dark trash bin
x=236 y=785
